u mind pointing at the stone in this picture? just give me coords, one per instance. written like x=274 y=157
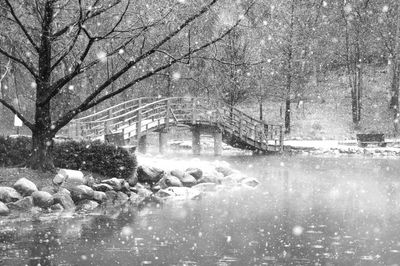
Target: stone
x=132 y=181
x=115 y=183
x=177 y=173
x=65 y=200
x=87 y=205
x=89 y=180
x=50 y=189
x=102 y=187
x=208 y=179
x=99 y=196
x=135 y=199
x=25 y=187
x=81 y=192
x=4 y=210
x=42 y=199
x=59 y=179
x=24 y=204
x=57 y=207
x=184 y=193
x=250 y=182
x=71 y=178
x=206 y=187
x=144 y=192
x=235 y=177
x=9 y=194
x=195 y=172
x=163 y=193
x=121 y=198
x=149 y=174
x=224 y=170
x=170 y=181
x=188 y=180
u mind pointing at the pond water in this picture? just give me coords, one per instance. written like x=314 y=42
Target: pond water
x=308 y=211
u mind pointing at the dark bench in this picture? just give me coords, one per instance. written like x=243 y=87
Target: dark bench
x=364 y=139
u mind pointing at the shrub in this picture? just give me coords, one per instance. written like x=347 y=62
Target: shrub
x=14 y=151
x=104 y=159
x=96 y=157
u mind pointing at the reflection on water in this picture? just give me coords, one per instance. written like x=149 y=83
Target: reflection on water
x=308 y=211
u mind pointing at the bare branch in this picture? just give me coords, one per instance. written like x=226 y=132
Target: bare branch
x=21 y=25
x=20 y=61
x=20 y=116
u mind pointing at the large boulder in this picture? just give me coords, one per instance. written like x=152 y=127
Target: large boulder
x=65 y=200
x=57 y=207
x=81 y=192
x=42 y=199
x=24 y=204
x=25 y=187
x=149 y=174
x=188 y=180
x=170 y=181
x=51 y=189
x=9 y=194
x=195 y=172
x=4 y=210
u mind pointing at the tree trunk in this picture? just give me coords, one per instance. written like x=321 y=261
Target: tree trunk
x=261 y=109
x=287 y=116
x=42 y=135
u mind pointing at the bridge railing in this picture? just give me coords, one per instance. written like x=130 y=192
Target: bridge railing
x=136 y=117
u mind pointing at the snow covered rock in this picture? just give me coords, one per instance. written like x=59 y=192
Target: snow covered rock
x=42 y=199
x=149 y=174
x=65 y=200
x=69 y=178
x=4 y=210
x=195 y=172
x=9 y=194
x=25 y=187
x=87 y=205
x=250 y=182
x=206 y=187
x=117 y=184
x=99 y=196
x=81 y=192
x=24 y=204
x=188 y=180
x=170 y=181
x=102 y=187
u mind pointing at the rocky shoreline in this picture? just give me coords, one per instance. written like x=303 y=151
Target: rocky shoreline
x=72 y=191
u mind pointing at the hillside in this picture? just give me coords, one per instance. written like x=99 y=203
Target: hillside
x=324 y=111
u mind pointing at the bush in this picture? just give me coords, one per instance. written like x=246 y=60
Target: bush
x=96 y=157
x=14 y=151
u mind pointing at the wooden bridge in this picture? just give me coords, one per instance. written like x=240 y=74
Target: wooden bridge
x=128 y=123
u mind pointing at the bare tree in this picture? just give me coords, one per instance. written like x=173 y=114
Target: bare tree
x=80 y=36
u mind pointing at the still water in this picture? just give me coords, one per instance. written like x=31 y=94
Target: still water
x=308 y=211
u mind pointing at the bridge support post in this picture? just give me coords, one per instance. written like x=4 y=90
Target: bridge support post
x=217 y=143
x=162 y=141
x=142 y=144
x=196 y=146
